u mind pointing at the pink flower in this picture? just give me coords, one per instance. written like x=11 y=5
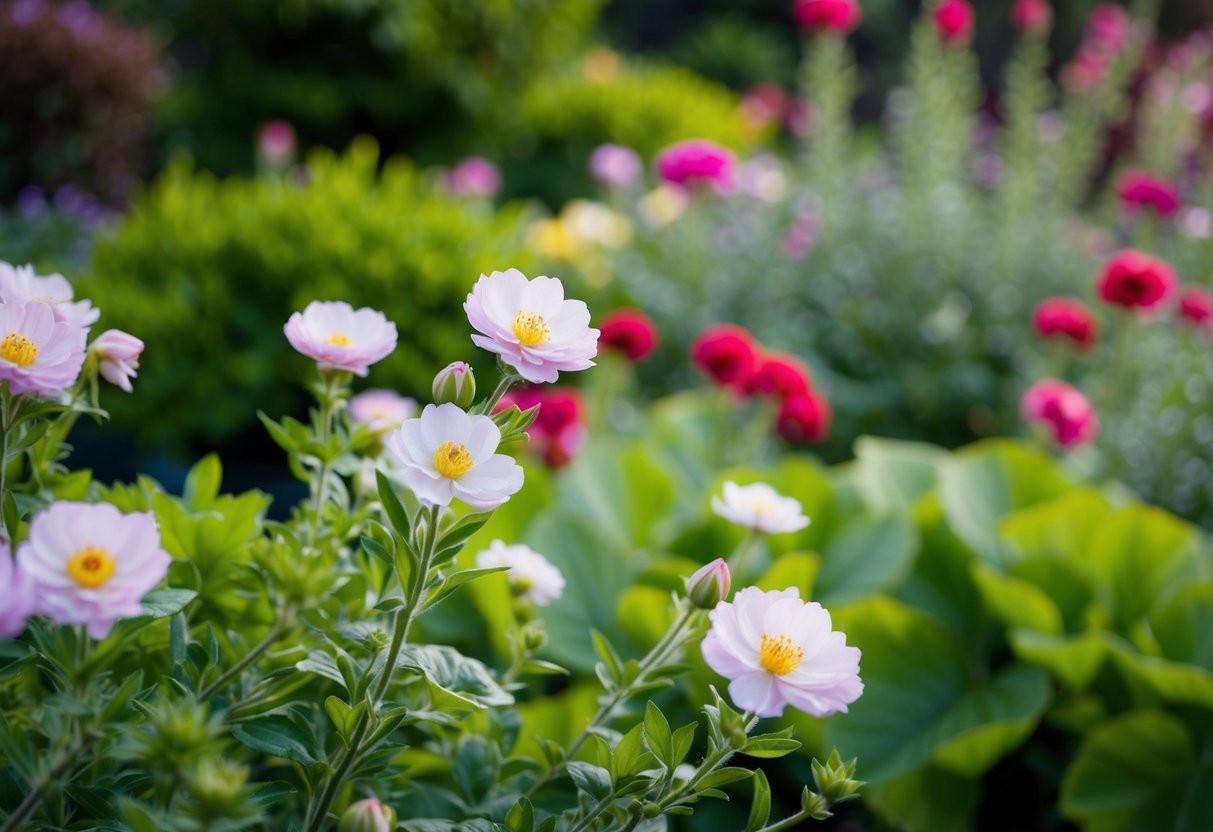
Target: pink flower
x=1066 y=318
x=764 y=104
x=339 y=338
x=840 y=16
x=1085 y=71
x=709 y=585
x=19 y=284
x=1196 y=307
x=804 y=418
x=776 y=650
x=780 y=375
x=1029 y=16
x=954 y=21
x=696 y=163
x=1107 y=28
x=1139 y=189
x=381 y=410
x=1062 y=410
x=531 y=325
x=559 y=430
x=1134 y=280
x=727 y=353
x=91 y=564
x=474 y=177
x=17 y=599
x=613 y=164
x=119 y=354
x=37 y=353
x=276 y=143
x=630 y=332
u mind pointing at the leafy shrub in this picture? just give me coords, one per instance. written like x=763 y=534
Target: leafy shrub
x=203 y=267
x=79 y=88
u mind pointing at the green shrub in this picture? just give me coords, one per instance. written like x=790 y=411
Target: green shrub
x=208 y=271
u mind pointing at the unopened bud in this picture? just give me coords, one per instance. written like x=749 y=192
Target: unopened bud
x=455 y=383
x=368 y=816
x=709 y=585
x=833 y=779
x=534 y=638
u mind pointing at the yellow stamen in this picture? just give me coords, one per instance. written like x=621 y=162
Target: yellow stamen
x=91 y=567
x=338 y=340
x=452 y=461
x=18 y=349
x=531 y=330
x=779 y=655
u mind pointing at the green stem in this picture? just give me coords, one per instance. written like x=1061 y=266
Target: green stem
x=327 y=415
x=740 y=559
x=400 y=631
x=508 y=380
x=69 y=755
x=280 y=626
x=788 y=822
x=600 y=807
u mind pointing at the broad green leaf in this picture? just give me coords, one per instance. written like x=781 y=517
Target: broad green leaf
x=1182 y=627
x=161 y=603
x=1005 y=712
x=1171 y=681
x=928 y=799
x=941 y=582
x=865 y=558
x=621 y=488
x=448 y=669
x=645 y=614
x=202 y=483
x=593 y=780
x=1059 y=528
x=1016 y=603
x=1074 y=660
x=796 y=569
x=276 y=736
x=893 y=475
x=657 y=734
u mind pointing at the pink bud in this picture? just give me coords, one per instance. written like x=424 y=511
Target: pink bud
x=709 y=585
x=119 y=354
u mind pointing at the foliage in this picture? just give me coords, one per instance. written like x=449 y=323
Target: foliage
x=203 y=267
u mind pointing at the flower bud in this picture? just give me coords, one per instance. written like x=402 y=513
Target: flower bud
x=833 y=779
x=368 y=816
x=709 y=585
x=455 y=383
x=534 y=637
x=118 y=353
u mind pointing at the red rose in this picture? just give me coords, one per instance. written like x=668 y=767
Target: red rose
x=804 y=418
x=779 y=375
x=630 y=332
x=725 y=352
x=1135 y=280
x=840 y=16
x=1066 y=318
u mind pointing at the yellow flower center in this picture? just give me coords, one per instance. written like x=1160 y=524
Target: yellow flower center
x=779 y=655
x=91 y=567
x=531 y=330
x=452 y=461
x=337 y=339
x=18 y=349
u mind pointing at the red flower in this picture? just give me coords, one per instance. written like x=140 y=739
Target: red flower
x=630 y=332
x=1139 y=189
x=1063 y=410
x=1066 y=318
x=780 y=375
x=840 y=16
x=1196 y=306
x=725 y=352
x=1135 y=280
x=1030 y=16
x=697 y=162
x=558 y=431
x=804 y=418
x=954 y=21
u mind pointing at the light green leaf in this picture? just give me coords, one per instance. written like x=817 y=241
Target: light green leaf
x=865 y=558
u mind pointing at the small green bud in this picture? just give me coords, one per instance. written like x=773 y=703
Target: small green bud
x=534 y=637
x=816 y=805
x=651 y=810
x=833 y=779
x=456 y=384
x=709 y=585
x=375 y=640
x=368 y=816
x=219 y=786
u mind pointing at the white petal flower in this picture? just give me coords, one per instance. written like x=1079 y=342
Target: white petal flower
x=448 y=454
x=760 y=507
x=531 y=325
x=19 y=284
x=530 y=574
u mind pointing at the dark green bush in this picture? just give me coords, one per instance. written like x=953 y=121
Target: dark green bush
x=207 y=271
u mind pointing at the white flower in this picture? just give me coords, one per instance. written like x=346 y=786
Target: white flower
x=447 y=453
x=381 y=410
x=19 y=284
x=531 y=575
x=759 y=507
x=531 y=325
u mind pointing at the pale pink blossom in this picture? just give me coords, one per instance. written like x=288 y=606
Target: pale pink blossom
x=38 y=354
x=530 y=575
x=473 y=177
x=16 y=595
x=19 y=284
x=339 y=337
x=614 y=164
x=118 y=353
x=759 y=507
x=381 y=410
x=776 y=650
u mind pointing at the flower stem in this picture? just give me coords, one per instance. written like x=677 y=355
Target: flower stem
x=328 y=412
x=507 y=381
x=9 y=407
x=280 y=626
x=739 y=560
x=788 y=822
x=69 y=755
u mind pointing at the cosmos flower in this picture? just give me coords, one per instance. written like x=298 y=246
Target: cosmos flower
x=338 y=337
x=759 y=507
x=532 y=577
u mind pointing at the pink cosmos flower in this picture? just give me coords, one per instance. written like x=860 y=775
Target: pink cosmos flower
x=474 y=177
x=381 y=410
x=339 y=337
x=19 y=284
x=531 y=325
x=119 y=354
x=1062 y=410
x=777 y=650
x=38 y=354
x=1066 y=318
x=448 y=454
x=697 y=162
x=614 y=164
x=17 y=600
x=1138 y=190
x=92 y=564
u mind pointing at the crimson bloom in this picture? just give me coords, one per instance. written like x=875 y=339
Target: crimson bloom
x=1062 y=410
x=559 y=430
x=1139 y=189
x=727 y=353
x=697 y=162
x=1135 y=280
x=840 y=16
x=954 y=21
x=804 y=418
x=780 y=375
x=630 y=332
x=1030 y=16
x=1196 y=306
x=1066 y=318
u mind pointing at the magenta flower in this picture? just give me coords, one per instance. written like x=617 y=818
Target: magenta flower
x=339 y=337
x=1061 y=410
x=91 y=564
x=38 y=354
x=17 y=600
x=19 y=284
x=531 y=325
x=614 y=164
x=473 y=177
x=119 y=354
x=381 y=410
x=697 y=162
x=1139 y=190
x=777 y=650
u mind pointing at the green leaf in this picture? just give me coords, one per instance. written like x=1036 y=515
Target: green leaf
x=760 y=804
x=455 y=580
x=161 y=603
x=929 y=799
x=591 y=779
x=453 y=538
x=464 y=678
x=796 y=569
x=629 y=756
x=1016 y=603
x=521 y=817
x=645 y=613
x=684 y=738
x=865 y=558
x=1074 y=660
x=725 y=776
x=276 y=736
x=396 y=513
x=657 y=735
x=202 y=483
x=893 y=475
x=769 y=747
